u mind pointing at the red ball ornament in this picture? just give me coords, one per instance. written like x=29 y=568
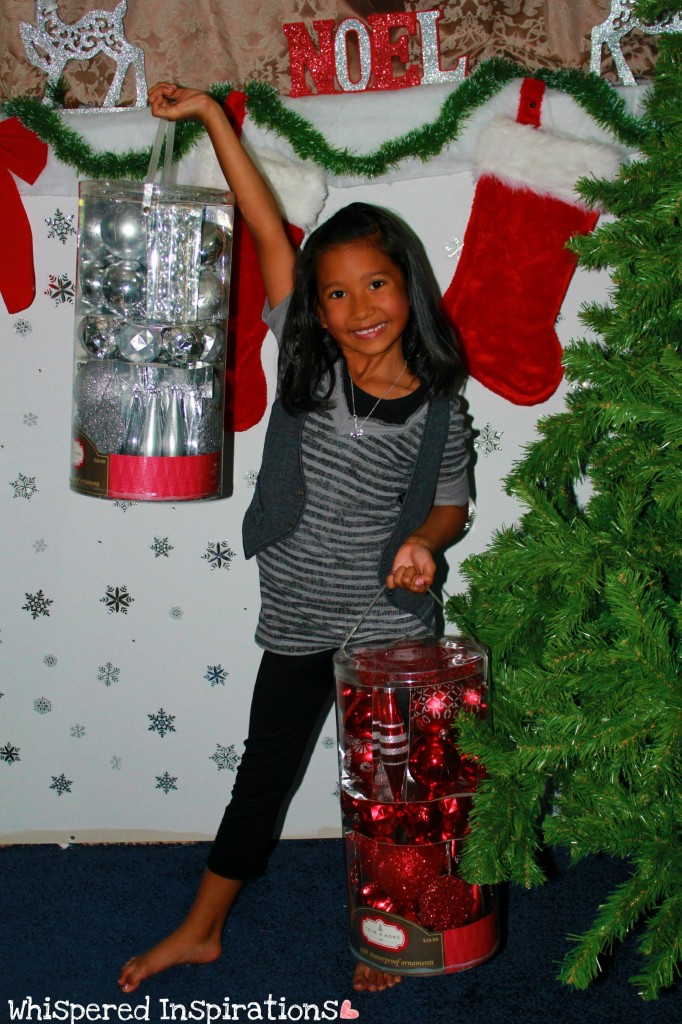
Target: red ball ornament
x=422 y=822
x=433 y=708
x=379 y=819
x=405 y=871
x=357 y=717
x=447 y=902
x=434 y=763
x=454 y=811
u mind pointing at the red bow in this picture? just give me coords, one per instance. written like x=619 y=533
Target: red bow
x=22 y=153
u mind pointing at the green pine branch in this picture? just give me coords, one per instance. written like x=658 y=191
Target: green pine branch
x=580 y=603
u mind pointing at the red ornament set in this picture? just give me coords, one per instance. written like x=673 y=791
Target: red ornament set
x=405 y=795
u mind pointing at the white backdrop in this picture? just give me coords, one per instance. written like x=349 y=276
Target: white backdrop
x=127 y=724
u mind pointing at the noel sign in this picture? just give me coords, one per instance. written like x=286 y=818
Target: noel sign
x=328 y=62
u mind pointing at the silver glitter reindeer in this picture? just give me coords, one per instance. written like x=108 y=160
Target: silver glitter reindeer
x=51 y=43
x=619 y=22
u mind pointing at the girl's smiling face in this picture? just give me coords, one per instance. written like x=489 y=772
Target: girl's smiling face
x=362 y=298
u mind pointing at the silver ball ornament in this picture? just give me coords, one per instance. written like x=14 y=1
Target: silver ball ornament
x=124 y=231
x=212 y=343
x=90 y=284
x=138 y=344
x=124 y=286
x=210 y=296
x=212 y=244
x=182 y=345
x=98 y=336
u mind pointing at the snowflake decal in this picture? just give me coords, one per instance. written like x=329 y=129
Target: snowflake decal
x=225 y=757
x=39 y=546
x=250 y=478
x=24 y=486
x=60 y=289
x=61 y=784
x=117 y=599
x=166 y=782
x=161 y=547
x=61 y=226
x=37 y=604
x=50 y=660
x=219 y=555
x=328 y=742
x=108 y=674
x=42 y=705
x=161 y=722
x=30 y=419
x=78 y=731
x=216 y=675
x=22 y=327
x=116 y=763
x=124 y=505
x=176 y=613
x=487 y=440
x=337 y=792
x=454 y=247
x=9 y=753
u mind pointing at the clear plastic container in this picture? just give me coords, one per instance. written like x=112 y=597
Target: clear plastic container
x=406 y=792
x=149 y=356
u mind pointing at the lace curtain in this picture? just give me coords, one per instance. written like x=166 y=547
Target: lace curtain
x=199 y=42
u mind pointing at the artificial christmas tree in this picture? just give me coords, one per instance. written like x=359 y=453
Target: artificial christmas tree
x=580 y=603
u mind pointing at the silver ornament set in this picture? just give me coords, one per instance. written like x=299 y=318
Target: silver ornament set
x=406 y=793
x=151 y=320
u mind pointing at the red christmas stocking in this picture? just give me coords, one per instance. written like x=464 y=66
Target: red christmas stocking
x=514 y=270
x=245 y=384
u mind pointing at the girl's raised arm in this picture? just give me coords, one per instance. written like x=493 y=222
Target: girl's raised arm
x=255 y=200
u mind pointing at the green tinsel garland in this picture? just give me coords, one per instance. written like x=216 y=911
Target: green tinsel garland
x=266 y=109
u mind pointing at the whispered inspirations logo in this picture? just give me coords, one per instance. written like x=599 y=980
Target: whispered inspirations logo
x=166 y=1010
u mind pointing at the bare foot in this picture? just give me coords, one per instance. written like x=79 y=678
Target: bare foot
x=368 y=979
x=180 y=947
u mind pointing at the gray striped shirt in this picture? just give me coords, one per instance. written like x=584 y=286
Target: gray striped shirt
x=317 y=583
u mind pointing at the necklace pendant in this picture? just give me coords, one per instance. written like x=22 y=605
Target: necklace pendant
x=357 y=433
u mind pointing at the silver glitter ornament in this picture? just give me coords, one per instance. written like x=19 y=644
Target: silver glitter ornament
x=181 y=345
x=212 y=244
x=210 y=296
x=51 y=43
x=138 y=344
x=97 y=405
x=212 y=343
x=98 y=335
x=123 y=286
x=124 y=231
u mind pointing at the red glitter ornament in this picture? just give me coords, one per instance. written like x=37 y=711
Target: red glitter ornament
x=422 y=822
x=448 y=902
x=434 y=763
x=406 y=871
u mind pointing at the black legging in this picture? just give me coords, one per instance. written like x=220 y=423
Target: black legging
x=290 y=694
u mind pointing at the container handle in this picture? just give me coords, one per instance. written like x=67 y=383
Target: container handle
x=165 y=131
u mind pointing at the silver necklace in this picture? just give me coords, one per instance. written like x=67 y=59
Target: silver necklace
x=357 y=433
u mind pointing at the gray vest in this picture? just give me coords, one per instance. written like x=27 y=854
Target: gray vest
x=280 y=496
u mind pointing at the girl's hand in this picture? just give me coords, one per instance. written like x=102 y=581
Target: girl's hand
x=176 y=103
x=413 y=568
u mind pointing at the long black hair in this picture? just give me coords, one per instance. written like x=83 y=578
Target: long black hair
x=308 y=351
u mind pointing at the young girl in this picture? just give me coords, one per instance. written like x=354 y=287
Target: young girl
x=363 y=479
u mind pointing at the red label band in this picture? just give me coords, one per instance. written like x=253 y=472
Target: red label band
x=164 y=478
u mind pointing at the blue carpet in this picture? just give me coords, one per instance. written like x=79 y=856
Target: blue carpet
x=71 y=917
